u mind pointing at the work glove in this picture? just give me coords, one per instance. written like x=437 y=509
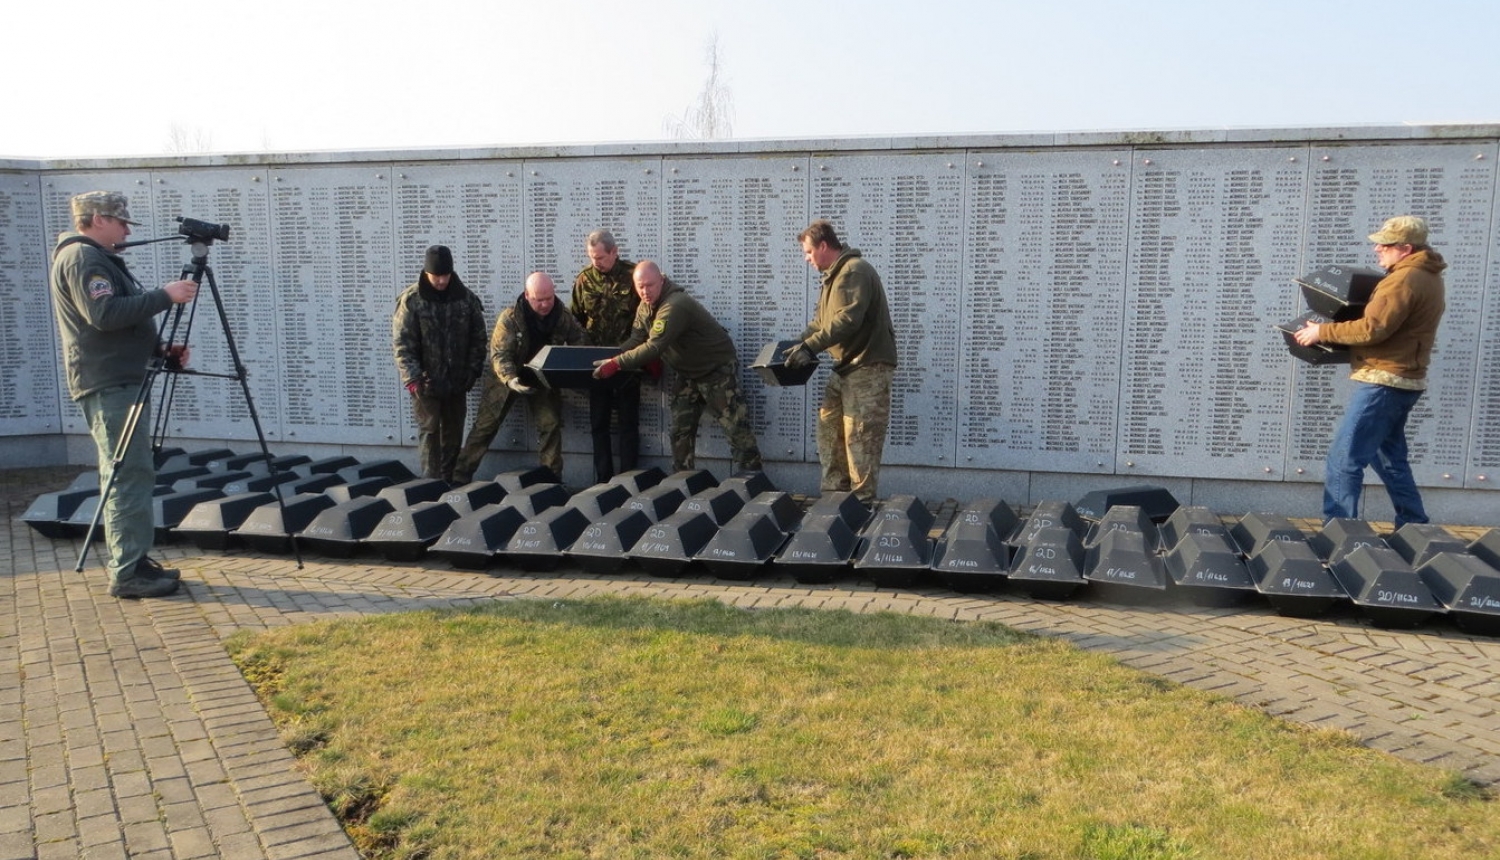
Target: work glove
x=520 y=387
x=604 y=368
x=798 y=356
x=176 y=355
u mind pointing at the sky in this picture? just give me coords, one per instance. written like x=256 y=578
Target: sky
x=90 y=78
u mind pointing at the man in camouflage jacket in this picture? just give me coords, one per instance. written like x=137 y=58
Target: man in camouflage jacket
x=672 y=326
x=604 y=301
x=536 y=320
x=438 y=335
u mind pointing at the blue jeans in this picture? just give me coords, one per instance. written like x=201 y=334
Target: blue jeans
x=1373 y=434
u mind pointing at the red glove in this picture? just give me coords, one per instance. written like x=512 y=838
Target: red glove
x=606 y=368
x=654 y=368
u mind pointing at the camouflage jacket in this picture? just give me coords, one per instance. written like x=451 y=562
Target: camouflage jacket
x=514 y=343
x=439 y=335
x=605 y=302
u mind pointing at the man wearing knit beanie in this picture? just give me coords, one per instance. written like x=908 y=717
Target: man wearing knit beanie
x=438 y=333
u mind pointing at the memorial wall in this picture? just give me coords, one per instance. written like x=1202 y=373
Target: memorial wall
x=1099 y=306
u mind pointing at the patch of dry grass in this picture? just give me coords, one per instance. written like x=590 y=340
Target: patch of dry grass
x=646 y=729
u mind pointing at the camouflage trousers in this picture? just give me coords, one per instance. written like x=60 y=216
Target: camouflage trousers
x=851 y=429
x=440 y=429
x=495 y=402
x=718 y=391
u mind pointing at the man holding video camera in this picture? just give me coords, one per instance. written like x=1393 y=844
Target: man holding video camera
x=104 y=317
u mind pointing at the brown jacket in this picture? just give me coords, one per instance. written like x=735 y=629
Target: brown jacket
x=853 y=321
x=1400 y=323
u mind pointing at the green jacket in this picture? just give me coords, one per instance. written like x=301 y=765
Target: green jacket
x=439 y=335
x=605 y=302
x=513 y=343
x=853 y=320
x=103 y=316
x=1400 y=322
x=679 y=331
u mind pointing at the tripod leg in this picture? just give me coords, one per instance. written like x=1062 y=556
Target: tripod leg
x=243 y=376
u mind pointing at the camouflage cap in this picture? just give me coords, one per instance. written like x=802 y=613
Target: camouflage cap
x=111 y=203
x=1401 y=230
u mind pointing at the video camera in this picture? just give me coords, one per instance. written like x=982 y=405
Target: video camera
x=202 y=230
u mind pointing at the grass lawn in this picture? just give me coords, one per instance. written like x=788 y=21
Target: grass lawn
x=615 y=728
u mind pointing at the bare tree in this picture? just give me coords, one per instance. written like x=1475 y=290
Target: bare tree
x=711 y=117
x=181 y=141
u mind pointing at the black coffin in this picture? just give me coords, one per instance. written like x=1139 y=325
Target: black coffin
x=270 y=527
x=1157 y=502
x=603 y=546
x=1339 y=537
x=210 y=525
x=896 y=550
x=1385 y=588
x=167 y=511
x=1130 y=518
x=972 y=555
x=1256 y=529
x=473 y=496
x=1469 y=587
x=474 y=541
x=1318 y=353
x=820 y=550
x=395 y=470
x=1419 y=542
x=639 y=480
x=741 y=547
x=538 y=545
x=1339 y=292
x=667 y=548
x=1192 y=519
x=1293 y=579
x=568 y=366
x=1207 y=569
x=599 y=500
x=49 y=512
x=1049 y=566
x=404 y=534
x=771 y=365
x=1123 y=566
x=338 y=531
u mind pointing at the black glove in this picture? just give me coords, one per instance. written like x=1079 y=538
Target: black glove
x=798 y=356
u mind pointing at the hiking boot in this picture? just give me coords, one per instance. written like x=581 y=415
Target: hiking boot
x=150 y=568
x=135 y=588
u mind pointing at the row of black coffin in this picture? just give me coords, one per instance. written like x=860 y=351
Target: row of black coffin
x=737 y=529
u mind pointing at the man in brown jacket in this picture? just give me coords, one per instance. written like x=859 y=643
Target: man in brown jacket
x=853 y=323
x=1390 y=348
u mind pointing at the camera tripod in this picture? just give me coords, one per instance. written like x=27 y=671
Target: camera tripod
x=166 y=368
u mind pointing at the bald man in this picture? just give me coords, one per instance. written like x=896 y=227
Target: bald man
x=537 y=319
x=672 y=326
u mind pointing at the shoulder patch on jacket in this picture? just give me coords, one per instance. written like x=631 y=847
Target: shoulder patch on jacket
x=658 y=327
x=100 y=287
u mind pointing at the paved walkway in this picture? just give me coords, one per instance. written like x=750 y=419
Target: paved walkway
x=126 y=732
